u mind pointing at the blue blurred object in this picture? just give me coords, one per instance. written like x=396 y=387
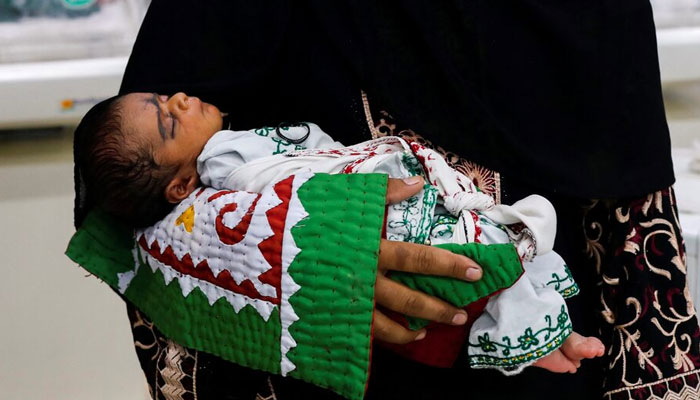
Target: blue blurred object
x=13 y=10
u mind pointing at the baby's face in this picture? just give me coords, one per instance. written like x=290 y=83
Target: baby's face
x=177 y=127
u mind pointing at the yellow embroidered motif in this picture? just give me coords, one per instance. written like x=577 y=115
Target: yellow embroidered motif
x=187 y=219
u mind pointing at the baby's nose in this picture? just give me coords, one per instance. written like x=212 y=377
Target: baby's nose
x=180 y=100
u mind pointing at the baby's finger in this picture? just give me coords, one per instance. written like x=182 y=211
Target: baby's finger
x=390 y=331
x=399 y=298
x=426 y=260
x=401 y=189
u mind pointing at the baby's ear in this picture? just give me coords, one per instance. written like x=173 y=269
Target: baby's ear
x=180 y=187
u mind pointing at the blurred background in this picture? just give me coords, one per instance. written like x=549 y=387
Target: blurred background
x=66 y=336
x=63 y=335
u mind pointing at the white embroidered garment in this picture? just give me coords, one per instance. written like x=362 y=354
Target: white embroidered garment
x=228 y=150
x=521 y=324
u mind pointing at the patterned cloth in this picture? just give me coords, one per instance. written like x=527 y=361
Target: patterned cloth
x=649 y=323
x=635 y=258
x=627 y=256
x=520 y=325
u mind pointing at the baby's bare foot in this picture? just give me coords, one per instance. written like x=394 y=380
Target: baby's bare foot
x=556 y=361
x=577 y=347
x=573 y=350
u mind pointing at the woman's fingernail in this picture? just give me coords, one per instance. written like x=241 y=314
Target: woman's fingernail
x=420 y=336
x=459 y=319
x=412 y=180
x=473 y=273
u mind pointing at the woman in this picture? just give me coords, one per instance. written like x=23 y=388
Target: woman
x=563 y=99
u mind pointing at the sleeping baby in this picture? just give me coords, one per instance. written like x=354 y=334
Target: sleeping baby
x=143 y=153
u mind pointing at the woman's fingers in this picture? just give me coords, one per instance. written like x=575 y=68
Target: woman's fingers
x=421 y=259
x=401 y=189
x=390 y=331
x=399 y=298
x=426 y=260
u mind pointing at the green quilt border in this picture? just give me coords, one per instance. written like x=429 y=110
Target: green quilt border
x=103 y=246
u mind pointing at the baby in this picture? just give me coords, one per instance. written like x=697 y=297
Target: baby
x=143 y=153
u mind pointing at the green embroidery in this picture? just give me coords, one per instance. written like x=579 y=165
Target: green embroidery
x=568 y=291
x=485 y=221
x=414 y=224
x=282 y=145
x=509 y=363
x=264 y=131
x=527 y=347
x=443 y=226
x=486 y=344
x=528 y=340
x=412 y=164
x=407 y=208
x=416 y=217
x=78 y=4
x=557 y=281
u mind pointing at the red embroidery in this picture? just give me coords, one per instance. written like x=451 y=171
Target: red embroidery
x=271 y=247
x=477 y=231
x=203 y=272
x=350 y=168
x=233 y=235
x=219 y=194
x=419 y=150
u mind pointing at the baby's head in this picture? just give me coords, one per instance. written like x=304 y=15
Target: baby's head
x=137 y=153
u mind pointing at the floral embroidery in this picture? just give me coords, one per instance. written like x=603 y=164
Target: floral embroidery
x=570 y=289
x=649 y=324
x=530 y=346
x=486 y=344
x=528 y=339
x=482 y=177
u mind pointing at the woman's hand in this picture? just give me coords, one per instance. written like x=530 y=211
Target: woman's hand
x=420 y=259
